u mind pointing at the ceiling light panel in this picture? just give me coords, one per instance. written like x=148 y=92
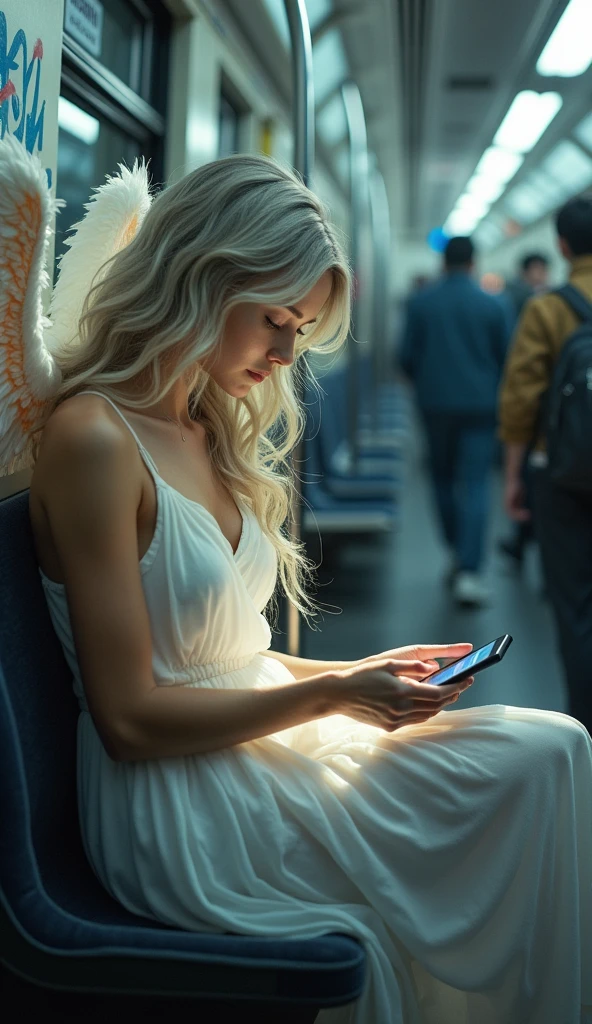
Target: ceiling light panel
x=473 y=205
x=525 y=204
x=528 y=117
x=570 y=166
x=461 y=222
x=569 y=49
x=487 y=189
x=549 y=188
x=499 y=164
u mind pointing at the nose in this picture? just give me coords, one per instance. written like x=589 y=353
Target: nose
x=283 y=351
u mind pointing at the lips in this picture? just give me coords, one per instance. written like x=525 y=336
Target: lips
x=257 y=377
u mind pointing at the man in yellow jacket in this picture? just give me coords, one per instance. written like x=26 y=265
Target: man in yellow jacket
x=562 y=518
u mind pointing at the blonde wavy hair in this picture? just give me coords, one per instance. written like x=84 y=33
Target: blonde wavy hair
x=241 y=229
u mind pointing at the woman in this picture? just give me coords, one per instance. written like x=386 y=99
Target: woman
x=226 y=787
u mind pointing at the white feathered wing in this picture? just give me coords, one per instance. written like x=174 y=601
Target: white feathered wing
x=114 y=214
x=29 y=374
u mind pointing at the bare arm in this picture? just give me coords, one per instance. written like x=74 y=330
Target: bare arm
x=304 y=668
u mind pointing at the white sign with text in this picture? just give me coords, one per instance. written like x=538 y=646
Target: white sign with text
x=84 y=21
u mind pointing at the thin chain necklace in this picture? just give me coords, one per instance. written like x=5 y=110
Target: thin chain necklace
x=159 y=416
x=171 y=420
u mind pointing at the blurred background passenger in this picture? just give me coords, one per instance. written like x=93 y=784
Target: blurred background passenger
x=562 y=518
x=453 y=350
x=532 y=279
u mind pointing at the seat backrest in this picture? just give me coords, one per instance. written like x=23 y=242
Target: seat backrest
x=38 y=723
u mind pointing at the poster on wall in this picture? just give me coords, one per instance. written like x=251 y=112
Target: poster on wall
x=30 y=64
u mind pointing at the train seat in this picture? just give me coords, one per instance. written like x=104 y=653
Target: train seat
x=62 y=936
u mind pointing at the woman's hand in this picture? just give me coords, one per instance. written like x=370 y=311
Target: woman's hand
x=422 y=653
x=385 y=693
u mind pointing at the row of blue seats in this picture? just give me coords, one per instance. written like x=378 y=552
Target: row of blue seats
x=344 y=493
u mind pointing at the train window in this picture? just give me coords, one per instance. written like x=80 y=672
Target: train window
x=123 y=41
x=228 y=126
x=89 y=147
x=112 y=98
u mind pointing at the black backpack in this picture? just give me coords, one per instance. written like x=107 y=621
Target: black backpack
x=569 y=402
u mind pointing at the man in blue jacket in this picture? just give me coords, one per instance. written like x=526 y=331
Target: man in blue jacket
x=454 y=349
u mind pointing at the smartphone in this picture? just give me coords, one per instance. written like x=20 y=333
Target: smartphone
x=474 y=662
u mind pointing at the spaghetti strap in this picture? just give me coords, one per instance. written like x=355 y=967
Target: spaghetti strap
x=143 y=451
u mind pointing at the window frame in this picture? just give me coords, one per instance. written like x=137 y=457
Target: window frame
x=102 y=91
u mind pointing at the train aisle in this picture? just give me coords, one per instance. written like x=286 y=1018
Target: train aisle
x=392 y=592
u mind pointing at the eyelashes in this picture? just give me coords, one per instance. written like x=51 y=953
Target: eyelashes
x=276 y=327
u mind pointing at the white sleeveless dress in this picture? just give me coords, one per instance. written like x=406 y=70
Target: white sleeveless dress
x=459 y=851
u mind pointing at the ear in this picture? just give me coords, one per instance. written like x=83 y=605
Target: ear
x=565 y=250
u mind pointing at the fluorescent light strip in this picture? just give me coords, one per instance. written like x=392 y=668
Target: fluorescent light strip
x=569 y=50
x=487 y=189
x=499 y=164
x=569 y=166
x=529 y=116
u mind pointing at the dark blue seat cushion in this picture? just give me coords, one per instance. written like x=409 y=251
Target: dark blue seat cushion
x=56 y=920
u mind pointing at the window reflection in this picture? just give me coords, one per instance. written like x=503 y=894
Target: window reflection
x=89 y=147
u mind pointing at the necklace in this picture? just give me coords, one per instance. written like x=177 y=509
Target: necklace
x=171 y=420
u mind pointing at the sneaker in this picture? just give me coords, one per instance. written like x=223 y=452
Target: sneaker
x=469 y=590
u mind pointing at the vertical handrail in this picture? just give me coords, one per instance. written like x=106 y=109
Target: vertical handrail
x=303 y=88
x=381 y=238
x=304 y=138
x=358 y=165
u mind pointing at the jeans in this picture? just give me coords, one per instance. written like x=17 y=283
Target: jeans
x=563 y=525
x=462 y=449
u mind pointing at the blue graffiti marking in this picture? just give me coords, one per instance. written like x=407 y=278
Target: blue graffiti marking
x=27 y=121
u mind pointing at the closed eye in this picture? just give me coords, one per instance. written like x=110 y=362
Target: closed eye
x=277 y=327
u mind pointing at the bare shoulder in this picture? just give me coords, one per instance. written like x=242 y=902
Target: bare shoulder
x=88 y=475
x=84 y=444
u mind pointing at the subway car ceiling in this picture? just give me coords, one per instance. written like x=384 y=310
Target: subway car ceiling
x=437 y=80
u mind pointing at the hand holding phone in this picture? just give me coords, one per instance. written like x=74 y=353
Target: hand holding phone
x=471 y=663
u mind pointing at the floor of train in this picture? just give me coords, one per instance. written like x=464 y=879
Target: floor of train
x=391 y=592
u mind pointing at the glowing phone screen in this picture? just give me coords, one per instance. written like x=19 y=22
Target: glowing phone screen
x=446 y=675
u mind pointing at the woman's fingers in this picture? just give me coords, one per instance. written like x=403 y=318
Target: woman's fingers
x=430 y=651
x=416 y=668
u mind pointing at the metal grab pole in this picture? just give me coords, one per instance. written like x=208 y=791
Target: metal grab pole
x=358 y=163
x=304 y=136
x=302 y=88
x=381 y=236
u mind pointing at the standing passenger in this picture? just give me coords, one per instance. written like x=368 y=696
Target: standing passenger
x=563 y=519
x=532 y=280
x=454 y=350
